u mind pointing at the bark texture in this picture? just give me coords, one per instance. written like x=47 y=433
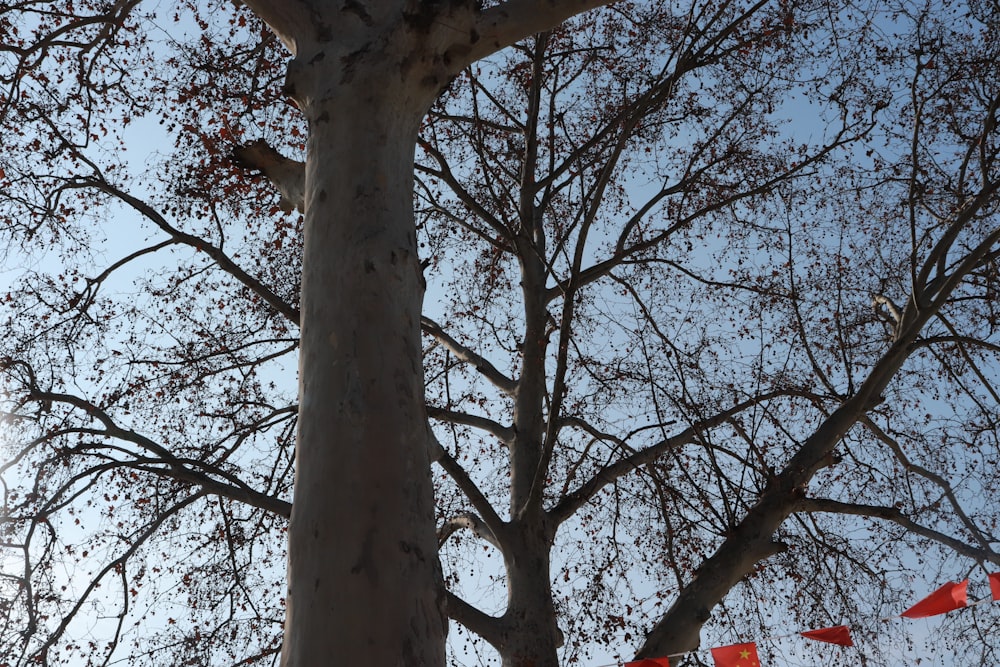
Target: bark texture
x=362 y=574
x=363 y=577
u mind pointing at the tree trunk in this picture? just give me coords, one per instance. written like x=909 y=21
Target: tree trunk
x=531 y=635
x=363 y=577
x=364 y=583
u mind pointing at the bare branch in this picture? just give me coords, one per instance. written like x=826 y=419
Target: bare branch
x=566 y=507
x=287 y=175
x=489 y=371
x=893 y=514
x=503 y=433
x=482 y=505
x=222 y=259
x=468 y=521
x=191 y=471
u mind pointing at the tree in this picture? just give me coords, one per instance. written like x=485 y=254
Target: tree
x=664 y=309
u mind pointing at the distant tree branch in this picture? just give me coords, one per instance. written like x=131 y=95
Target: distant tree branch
x=117 y=564
x=178 y=468
x=566 y=507
x=933 y=477
x=221 y=258
x=626 y=253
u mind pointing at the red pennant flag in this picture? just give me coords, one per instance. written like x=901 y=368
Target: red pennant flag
x=947 y=598
x=737 y=655
x=835 y=635
x=995 y=585
x=650 y=662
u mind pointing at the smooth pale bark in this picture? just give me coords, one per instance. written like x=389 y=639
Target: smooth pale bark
x=363 y=579
x=530 y=634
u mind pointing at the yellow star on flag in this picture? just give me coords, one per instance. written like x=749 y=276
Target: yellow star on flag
x=737 y=655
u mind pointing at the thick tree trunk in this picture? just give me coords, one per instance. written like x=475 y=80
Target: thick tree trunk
x=531 y=635
x=364 y=586
x=363 y=579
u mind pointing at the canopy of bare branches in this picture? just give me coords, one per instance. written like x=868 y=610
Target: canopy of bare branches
x=710 y=335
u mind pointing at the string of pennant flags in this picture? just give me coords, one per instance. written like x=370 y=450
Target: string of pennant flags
x=947 y=598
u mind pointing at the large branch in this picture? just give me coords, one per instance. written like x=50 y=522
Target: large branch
x=930 y=293
x=289 y=19
x=750 y=541
x=481 y=364
x=894 y=515
x=503 y=433
x=468 y=521
x=498 y=27
x=488 y=627
x=287 y=175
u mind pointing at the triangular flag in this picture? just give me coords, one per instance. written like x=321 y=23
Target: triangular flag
x=737 y=655
x=947 y=598
x=650 y=662
x=836 y=635
x=995 y=585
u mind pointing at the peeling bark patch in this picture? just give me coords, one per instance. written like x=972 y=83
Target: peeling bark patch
x=410 y=657
x=408 y=548
x=473 y=36
x=358 y=9
x=318 y=57
x=369 y=266
x=350 y=61
x=322 y=195
x=365 y=561
x=324 y=33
